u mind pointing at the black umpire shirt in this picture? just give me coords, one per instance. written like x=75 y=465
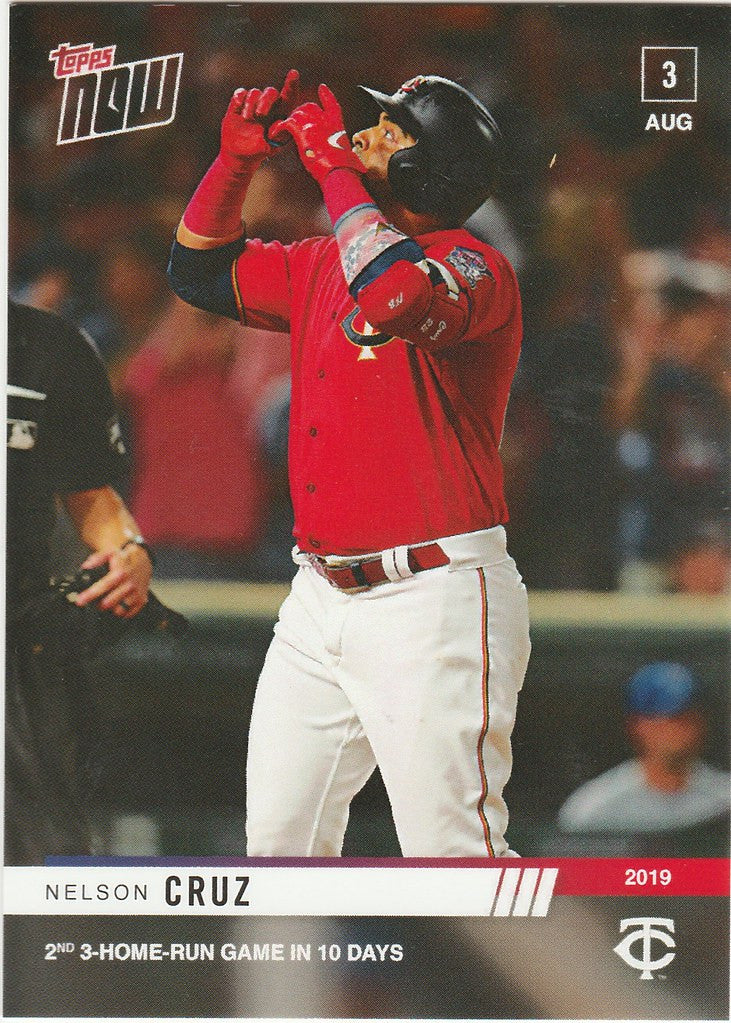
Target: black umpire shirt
x=63 y=435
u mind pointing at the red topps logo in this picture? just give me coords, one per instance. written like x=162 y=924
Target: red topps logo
x=75 y=60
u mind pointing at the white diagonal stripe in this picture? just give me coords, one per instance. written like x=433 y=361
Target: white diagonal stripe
x=24 y=392
x=545 y=891
x=526 y=891
x=504 y=903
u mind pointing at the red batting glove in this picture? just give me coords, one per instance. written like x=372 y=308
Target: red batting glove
x=215 y=209
x=320 y=137
x=243 y=130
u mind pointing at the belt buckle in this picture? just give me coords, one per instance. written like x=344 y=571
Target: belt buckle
x=322 y=568
x=318 y=564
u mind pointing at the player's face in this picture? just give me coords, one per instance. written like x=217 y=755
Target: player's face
x=672 y=739
x=375 y=146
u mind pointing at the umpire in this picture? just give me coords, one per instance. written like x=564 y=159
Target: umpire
x=64 y=445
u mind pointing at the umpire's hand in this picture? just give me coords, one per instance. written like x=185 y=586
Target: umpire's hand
x=124 y=589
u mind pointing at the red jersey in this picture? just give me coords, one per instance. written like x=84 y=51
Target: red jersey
x=391 y=442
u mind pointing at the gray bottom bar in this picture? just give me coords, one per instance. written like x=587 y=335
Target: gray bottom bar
x=562 y=966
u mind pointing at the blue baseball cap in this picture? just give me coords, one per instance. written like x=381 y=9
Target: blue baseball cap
x=661 y=689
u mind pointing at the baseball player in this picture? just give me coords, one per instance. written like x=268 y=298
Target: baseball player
x=404 y=641
x=666 y=787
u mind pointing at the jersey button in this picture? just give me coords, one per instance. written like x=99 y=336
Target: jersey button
x=313 y=431
x=313 y=542
x=321 y=374
x=311 y=488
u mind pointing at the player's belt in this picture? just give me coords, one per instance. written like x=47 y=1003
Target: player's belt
x=370 y=571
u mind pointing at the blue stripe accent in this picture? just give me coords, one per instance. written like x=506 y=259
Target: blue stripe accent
x=407 y=250
x=262 y=861
x=349 y=213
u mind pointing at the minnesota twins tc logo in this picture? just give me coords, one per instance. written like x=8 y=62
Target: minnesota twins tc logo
x=359 y=332
x=647 y=929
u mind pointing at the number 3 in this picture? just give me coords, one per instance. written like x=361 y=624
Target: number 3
x=672 y=77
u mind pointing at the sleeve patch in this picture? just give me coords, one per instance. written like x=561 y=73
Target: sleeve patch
x=470 y=265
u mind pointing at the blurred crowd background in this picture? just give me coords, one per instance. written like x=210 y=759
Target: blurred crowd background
x=615 y=446
x=616 y=440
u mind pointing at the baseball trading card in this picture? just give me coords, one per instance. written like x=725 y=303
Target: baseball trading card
x=367 y=511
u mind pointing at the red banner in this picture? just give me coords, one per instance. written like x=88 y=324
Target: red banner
x=601 y=876
x=641 y=876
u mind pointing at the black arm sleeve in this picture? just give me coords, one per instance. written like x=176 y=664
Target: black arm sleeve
x=202 y=277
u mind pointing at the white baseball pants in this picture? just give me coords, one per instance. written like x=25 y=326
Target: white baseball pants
x=420 y=677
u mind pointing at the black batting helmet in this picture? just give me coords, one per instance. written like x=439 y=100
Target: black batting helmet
x=454 y=165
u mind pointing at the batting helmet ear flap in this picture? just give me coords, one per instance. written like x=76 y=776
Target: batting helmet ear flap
x=423 y=186
x=409 y=179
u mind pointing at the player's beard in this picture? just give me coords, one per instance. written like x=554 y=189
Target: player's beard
x=380 y=191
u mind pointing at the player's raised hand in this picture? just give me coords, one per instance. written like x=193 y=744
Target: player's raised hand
x=243 y=142
x=320 y=136
x=243 y=130
x=289 y=97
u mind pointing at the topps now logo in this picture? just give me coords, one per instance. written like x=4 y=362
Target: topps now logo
x=103 y=98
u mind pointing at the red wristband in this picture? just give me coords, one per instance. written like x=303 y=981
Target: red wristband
x=343 y=189
x=215 y=209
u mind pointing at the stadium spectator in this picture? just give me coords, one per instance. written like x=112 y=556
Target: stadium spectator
x=272 y=426
x=198 y=489
x=666 y=798
x=565 y=372
x=134 y=291
x=670 y=407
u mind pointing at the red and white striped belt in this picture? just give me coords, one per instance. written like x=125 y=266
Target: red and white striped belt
x=370 y=571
